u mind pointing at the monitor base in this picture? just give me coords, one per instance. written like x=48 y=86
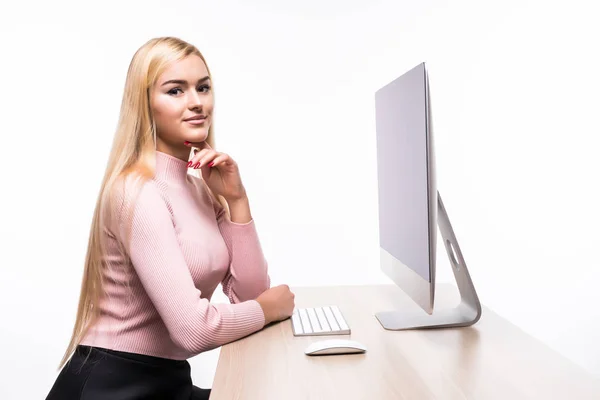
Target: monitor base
x=467 y=313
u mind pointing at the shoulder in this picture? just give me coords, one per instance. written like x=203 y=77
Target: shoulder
x=134 y=189
x=137 y=201
x=130 y=186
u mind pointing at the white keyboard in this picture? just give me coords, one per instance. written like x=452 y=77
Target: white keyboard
x=327 y=320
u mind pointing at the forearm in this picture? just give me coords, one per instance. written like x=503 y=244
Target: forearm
x=248 y=275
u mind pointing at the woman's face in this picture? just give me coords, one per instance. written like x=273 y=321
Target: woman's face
x=183 y=91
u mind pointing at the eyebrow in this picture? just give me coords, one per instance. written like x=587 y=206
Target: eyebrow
x=183 y=82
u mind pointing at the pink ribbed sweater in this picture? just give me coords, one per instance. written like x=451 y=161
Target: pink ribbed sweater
x=183 y=246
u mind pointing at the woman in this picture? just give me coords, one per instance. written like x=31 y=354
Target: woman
x=162 y=240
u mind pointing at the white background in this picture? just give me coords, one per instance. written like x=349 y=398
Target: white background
x=515 y=87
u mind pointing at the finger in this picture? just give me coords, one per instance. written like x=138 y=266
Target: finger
x=207 y=158
x=195 y=159
x=198 y=154
x=221 y=159
x=205 y=145
x=201 y=157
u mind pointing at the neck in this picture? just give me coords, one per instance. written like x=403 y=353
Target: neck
x=170 y=168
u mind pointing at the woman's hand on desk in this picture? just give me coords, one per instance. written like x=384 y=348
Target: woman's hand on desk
x=277 y=303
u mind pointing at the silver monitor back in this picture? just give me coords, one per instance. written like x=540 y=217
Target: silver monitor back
x=411 y=208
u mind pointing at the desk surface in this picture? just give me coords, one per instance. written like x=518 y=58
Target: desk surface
x=490 y=360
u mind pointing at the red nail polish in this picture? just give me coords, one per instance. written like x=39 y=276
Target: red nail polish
x=211 y=164
x=189 y=164
x=186 y=143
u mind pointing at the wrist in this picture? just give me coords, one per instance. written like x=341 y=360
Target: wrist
x=239 y=210
x=235 y=201
x=263 y=306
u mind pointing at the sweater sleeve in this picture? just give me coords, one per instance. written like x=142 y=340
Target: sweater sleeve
x=248 y=274
x=194 y=324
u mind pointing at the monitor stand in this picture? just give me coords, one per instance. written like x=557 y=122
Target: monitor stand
x=466 y=313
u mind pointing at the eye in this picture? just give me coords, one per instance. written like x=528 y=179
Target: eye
x=171 y=91
x=201 y=88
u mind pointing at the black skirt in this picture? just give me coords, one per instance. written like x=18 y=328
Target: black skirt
x=94 y=373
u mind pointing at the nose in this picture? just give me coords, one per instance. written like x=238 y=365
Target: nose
x=195 y=100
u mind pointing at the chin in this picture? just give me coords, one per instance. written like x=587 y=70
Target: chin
x=197 y=136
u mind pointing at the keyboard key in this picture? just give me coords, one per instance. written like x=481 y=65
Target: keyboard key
x=339 y=317
x=314 y=321
x=322 y=319
x=332 y=322
x=296 y=324
x=305 y=322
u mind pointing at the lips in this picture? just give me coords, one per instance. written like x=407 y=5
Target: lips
x=196 y=118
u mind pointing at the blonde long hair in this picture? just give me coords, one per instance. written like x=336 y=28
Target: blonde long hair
x=133 y=153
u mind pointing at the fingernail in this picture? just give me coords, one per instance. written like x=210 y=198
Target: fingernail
x=211 y=164
x=186 y=143
x=189 y=164
x=197 y=165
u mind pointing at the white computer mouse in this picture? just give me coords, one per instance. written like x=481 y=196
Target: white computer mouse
x=334 y=346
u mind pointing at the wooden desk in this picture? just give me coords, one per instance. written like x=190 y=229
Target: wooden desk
x=490 y=360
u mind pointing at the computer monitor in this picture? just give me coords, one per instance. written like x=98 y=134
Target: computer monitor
x=411 y=208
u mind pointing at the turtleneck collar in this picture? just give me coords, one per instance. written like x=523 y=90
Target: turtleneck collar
x=171 y=169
